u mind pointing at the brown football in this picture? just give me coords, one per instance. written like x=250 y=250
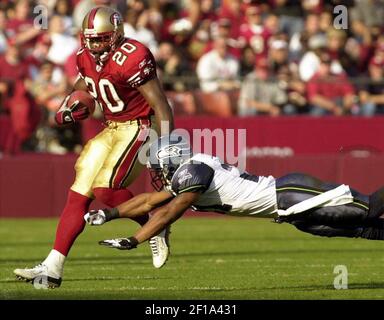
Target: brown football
x=85 y=100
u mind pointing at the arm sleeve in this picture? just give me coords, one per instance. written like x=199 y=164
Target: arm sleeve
x=79 y=64
x=192 y=177
x=141 y=66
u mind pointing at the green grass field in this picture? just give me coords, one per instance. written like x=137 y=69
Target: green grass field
x=225 y=258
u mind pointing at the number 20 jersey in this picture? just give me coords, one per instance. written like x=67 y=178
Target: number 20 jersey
x=114 y=85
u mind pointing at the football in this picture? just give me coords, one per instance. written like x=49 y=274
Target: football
x=85 y=101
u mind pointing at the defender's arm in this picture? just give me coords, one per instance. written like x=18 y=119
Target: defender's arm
x=143 y=203
x=166 y=215
x=137 y=206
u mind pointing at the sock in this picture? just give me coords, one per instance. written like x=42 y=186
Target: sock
x=55 y=263
x=71 y=222
x=114 y=197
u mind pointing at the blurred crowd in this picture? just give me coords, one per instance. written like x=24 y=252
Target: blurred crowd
x=280 y=57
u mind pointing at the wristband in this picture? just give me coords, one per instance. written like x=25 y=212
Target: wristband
x=111 y=214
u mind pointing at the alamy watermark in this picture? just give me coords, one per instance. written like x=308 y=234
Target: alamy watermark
x=40 y=13
x=227 y=144
x=340 y=21
x=41 y=282
x=341 y=279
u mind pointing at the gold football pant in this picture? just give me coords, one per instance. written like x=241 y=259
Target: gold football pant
x=110 y=160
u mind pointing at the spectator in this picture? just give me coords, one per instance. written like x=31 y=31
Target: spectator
x=330 y=93
x=310 y=62
x=3 y=37
x=278 y=54
x=360 y=45
x=254 y=34
x=62 y=45
x=200 y=40
x=170 y=64
x=218 y=69
x=135 y=29
x=16 y=100
x=289 y=81
x=336 y=42
x=232 y=10
x=260 y=95
x=312 y=6
x=290 y=15
x=372 y=96
x=326 y=21
x=49 y=89
x=370 y=12
x=63 y=8
x=223 y=28
x=20 y=27
x=298 y=44
x=247 y=61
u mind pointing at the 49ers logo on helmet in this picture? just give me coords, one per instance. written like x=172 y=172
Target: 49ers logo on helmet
x=116 y=19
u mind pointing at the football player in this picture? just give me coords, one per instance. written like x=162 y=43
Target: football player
x=204 y=183
x=120 y=73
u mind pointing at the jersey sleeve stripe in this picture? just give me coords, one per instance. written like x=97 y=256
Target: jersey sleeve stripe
x=193 y=188
x=134 y=76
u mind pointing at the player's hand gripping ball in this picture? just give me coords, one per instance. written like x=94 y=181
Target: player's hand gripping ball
x=81 y=104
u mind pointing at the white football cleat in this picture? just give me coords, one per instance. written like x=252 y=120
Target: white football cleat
x=160 y=248
x=40 y=277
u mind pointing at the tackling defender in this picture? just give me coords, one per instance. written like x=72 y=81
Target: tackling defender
x=204 y=183
x=120 y=73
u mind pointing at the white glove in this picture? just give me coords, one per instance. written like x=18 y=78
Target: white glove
x=95 y=217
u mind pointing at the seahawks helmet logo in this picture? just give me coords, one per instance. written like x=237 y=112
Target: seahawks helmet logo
x=168 y=152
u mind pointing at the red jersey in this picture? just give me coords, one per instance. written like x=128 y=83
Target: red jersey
x=257 y=37
x=114 y=85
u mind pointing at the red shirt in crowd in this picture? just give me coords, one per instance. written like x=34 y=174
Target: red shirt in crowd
x=336 y=86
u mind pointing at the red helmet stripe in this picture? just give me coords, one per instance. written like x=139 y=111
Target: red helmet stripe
x=91 y=18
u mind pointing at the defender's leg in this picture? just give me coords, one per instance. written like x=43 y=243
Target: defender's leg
x=358 y=219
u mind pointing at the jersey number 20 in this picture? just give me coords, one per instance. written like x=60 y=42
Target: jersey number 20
x=104 y=84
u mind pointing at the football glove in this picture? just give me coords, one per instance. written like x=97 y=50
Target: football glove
x=68 y=114
x=95 y=217
x=120 y=243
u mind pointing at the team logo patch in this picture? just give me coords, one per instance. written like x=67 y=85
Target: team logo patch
x=142 y=63
x=167 y=152
x=184 y=175
x=116 y=19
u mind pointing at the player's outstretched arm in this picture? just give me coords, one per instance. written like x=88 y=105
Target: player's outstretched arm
x=166 y=215
x=137 y=206
x=162 y=218
x=143 y=204
x=156 y=98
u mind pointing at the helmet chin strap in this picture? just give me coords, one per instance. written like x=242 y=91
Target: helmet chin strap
x=104 y=56
x=100 y=59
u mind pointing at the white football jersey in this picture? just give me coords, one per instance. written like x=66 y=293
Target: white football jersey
x=224 y=188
